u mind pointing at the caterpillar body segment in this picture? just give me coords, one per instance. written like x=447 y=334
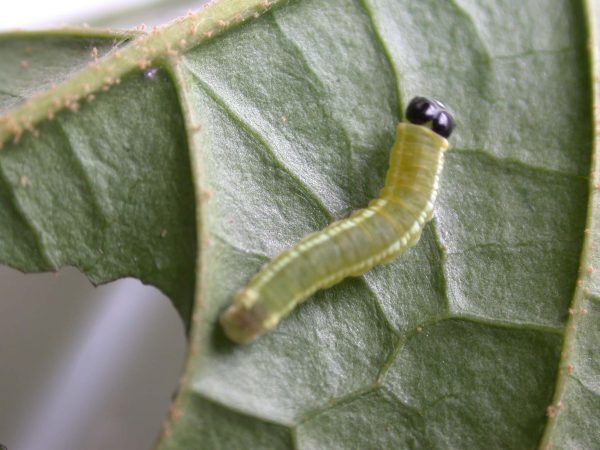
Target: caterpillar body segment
x=377 y=234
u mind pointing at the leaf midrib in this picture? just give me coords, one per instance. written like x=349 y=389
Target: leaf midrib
x=165 y=44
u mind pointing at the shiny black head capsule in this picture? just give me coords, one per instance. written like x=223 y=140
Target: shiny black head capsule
x=443 y=124
x=432 y=114
x=421 y=110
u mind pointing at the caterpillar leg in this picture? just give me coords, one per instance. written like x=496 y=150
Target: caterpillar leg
x=413 y=241
x=389 y=259
x=429 y=216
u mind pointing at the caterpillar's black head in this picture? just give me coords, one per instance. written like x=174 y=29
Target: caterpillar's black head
x=432 y=114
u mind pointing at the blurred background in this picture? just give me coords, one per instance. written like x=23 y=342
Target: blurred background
x=82 y=367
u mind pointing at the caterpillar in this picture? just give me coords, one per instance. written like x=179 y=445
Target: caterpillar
x=377 y=234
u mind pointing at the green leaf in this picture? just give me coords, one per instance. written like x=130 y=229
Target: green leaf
x=107 y=189
x=288 y=120
x=575 y=413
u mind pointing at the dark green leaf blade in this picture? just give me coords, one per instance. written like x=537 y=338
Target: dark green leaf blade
x=574 y=415
x=108 y=188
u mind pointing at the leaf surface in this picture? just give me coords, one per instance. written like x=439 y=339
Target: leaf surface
x=288 y=120
x=108 y=188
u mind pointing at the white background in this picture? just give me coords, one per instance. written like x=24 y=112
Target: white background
x=39 y=14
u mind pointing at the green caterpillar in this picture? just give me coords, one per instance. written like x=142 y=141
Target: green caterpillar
x=377 y=234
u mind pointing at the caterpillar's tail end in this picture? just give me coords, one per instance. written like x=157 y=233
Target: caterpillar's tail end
x=242 y=324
